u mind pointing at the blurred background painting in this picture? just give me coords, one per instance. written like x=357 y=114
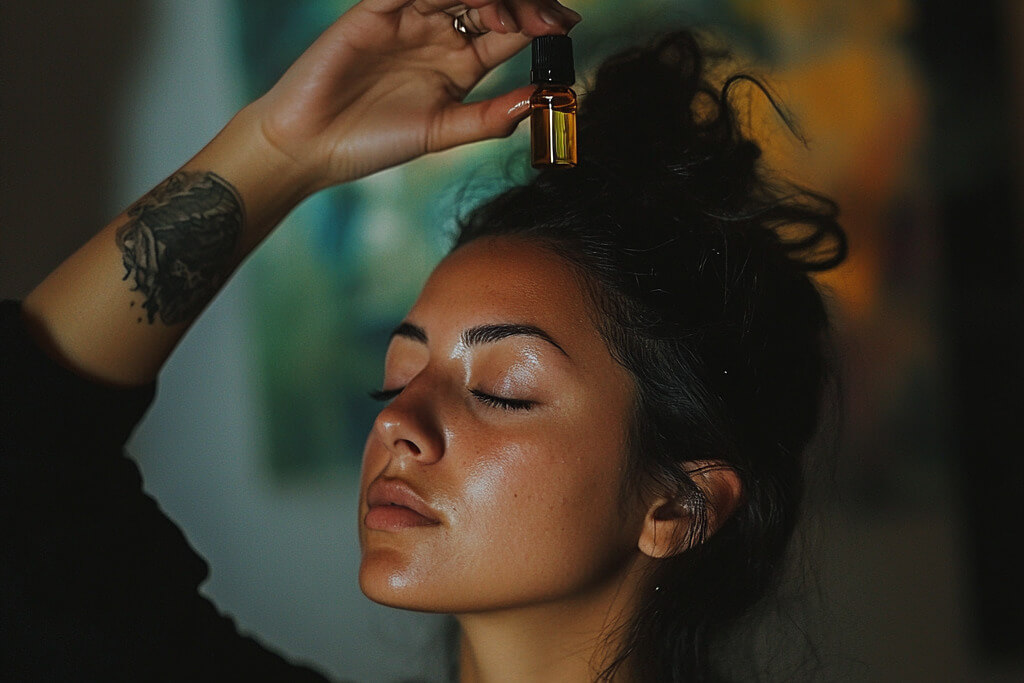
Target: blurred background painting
x=911 y=111
x=345 y=274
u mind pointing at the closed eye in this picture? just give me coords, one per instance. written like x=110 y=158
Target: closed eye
x=485 y=398
x=503 y=403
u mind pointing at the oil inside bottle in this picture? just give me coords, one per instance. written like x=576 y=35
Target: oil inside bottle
x=553 y=127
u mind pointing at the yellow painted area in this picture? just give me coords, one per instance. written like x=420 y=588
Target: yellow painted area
x=846 y=75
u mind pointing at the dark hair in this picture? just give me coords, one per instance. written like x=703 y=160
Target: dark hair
x=698 y=263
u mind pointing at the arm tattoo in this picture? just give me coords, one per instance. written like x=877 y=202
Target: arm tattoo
x=178 y=243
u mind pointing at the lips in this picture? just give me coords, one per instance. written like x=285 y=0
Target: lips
x=393 y=505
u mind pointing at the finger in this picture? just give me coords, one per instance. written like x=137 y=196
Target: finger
x=494 y=118
x=452 y=7
x=494 y=48
x=476 y=22
x=533 y=17
x=497 y=17
x=544 y=17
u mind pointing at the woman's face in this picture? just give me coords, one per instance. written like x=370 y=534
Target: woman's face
x=492 y=478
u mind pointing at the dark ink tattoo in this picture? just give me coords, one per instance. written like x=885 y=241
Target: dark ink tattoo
x=178 y=244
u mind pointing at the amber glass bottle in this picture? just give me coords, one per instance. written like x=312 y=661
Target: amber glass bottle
x=553 y=104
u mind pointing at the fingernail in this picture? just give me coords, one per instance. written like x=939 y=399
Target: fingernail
x=572 y=14
x=507 y=20
x=518 y=108
x=548 y=18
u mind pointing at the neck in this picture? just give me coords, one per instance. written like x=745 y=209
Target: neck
x=568 y=640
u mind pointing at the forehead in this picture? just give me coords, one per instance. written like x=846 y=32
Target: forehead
x=502 y=279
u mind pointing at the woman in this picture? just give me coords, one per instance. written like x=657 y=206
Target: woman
x=595 y=409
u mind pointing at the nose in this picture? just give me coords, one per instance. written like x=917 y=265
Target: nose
x=409 y=427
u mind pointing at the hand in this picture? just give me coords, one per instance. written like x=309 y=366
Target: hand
x=385 y=84
x=382 y=85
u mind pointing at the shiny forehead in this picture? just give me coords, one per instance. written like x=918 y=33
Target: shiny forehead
x=481 y=334
x=494 y=288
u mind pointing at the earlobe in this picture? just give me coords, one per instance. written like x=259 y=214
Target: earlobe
x=672 y=526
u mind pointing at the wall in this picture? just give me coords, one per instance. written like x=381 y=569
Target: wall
x=111 y=114
x=103 y=99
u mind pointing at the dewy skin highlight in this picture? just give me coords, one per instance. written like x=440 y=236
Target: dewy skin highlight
x=553 y=103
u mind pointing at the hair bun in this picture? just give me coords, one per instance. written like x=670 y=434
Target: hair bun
x=640 y=107
x=656 y=129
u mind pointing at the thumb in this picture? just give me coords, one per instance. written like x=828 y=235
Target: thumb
x=497 y=117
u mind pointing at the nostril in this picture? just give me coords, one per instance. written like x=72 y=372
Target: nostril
x=413 y=448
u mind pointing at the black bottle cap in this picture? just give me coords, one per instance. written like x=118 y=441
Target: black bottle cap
x=552 y=61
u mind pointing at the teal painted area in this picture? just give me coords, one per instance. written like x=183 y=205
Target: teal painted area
x=348 y=264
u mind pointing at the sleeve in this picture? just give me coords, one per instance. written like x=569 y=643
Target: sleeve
x=96 y=583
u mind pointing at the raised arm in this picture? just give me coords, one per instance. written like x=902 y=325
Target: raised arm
x=383 y=85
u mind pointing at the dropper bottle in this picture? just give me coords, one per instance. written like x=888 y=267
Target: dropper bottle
x=553 y=103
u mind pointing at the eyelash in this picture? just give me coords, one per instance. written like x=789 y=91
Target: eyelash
x=503 y=403
x=486 y=399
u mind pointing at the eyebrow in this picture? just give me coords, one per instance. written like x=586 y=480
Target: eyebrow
x=481 y=334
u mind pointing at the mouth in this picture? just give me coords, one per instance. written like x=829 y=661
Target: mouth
x=393 y=505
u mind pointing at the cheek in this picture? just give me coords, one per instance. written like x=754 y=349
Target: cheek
x=545 y=510
x=533 y=514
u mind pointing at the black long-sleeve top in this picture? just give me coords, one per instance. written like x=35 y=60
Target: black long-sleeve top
x=97 y=584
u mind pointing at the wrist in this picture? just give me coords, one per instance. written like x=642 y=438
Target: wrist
x=269 y=182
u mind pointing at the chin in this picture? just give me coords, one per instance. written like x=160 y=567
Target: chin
x=392 y=586
x=385 y=582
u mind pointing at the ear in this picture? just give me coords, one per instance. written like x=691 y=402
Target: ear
x=668 y=525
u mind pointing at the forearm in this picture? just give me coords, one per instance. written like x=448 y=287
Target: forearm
x=382 y=85
x=116 y=308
